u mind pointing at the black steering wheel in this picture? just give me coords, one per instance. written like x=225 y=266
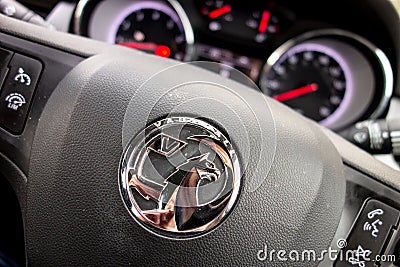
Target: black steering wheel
x=121 y=158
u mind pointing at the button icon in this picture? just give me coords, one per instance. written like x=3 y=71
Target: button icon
x=15 y=101
x=374 y=213
x=19 y=86
x=360 y=256
x=22 y=77
x=373 y=227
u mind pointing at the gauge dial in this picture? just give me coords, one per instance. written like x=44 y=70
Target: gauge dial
x=254 y=22
x=311 y=82
x=157 y=27
x=326 y=80
x=263 y=23
x=218 y=12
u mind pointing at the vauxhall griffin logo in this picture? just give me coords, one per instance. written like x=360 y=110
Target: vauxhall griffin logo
x=180 y=177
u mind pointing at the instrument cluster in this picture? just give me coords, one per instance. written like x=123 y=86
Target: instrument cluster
x=331 y=75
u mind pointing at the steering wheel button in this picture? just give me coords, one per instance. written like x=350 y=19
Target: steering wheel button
x=17 y=92
x=370 y=233
x=5 y=57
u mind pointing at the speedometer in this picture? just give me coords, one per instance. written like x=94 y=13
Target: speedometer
x=325 y=79
x=308 y=79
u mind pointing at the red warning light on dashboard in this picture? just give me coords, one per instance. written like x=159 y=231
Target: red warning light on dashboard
x=162 y=51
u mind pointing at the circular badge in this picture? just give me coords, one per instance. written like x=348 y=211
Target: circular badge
x=180 y=177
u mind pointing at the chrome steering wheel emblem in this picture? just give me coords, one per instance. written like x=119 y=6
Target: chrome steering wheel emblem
x=180 y=177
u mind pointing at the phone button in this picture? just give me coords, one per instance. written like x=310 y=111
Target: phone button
x=374 y=226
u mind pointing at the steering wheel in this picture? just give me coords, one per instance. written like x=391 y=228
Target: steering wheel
x=121 y=158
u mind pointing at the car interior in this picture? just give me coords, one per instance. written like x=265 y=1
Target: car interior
x=200 y=133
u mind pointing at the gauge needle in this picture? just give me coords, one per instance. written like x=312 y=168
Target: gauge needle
x=159 y=50
x=140 y=46
x=262 y=28
x=305 y=90
x=219 y=12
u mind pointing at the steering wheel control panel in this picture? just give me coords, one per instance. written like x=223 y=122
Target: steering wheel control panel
x=28 y=75
x=18 y=89
x=371 y=232
x=369 y=229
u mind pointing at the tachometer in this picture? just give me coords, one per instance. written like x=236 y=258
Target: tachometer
x=157 y=27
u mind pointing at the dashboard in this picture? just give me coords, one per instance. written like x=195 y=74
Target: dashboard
x=317 y=58
x=335 y=62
